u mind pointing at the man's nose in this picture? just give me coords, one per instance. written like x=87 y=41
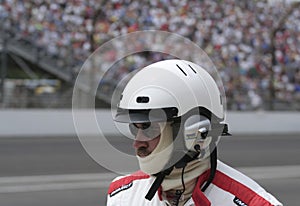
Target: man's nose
x=140 y=140
x=138 y=144
x=140 y=136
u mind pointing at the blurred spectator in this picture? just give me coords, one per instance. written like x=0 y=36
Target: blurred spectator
x=234 y=33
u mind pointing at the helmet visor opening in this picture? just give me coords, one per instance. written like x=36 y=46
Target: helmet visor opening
x=145 y=115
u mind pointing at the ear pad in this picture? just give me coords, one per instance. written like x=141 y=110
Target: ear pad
x=196 y=128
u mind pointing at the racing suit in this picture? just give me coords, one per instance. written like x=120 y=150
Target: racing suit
x=228 y=188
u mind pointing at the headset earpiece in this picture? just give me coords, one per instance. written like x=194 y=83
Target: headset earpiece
x=196 y=128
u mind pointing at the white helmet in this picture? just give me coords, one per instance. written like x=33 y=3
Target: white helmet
x=170 y=90
x=184 y=94
x=172 y=84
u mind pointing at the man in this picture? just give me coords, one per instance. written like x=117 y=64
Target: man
x=175 y=111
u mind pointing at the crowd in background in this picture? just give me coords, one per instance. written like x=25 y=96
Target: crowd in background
x=235 y=34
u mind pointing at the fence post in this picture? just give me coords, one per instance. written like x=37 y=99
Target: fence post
x=3 y=67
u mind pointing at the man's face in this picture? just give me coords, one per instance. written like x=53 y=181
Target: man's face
x=147 y=137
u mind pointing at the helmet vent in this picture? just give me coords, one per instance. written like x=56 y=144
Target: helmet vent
x=192 y=69
x=181 y=70
x=142 y=99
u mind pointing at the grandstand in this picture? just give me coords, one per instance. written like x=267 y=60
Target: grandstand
x=58 y=36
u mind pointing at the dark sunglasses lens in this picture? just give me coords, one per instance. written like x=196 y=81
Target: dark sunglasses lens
x=133 y=129
x=152 y=131
x=149 y=130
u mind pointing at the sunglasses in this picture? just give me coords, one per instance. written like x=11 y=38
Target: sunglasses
x=149 y=129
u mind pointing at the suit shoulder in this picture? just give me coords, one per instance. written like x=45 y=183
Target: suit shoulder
x=125 y=182
x=245 y=190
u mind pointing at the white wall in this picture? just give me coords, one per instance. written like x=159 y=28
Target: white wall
x=264 y=122
x=44 y=123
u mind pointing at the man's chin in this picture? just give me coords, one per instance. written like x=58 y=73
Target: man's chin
x=142 y=155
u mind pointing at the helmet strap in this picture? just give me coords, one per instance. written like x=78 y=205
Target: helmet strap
x=213 y=168
x=161 y=175
x=157 y=183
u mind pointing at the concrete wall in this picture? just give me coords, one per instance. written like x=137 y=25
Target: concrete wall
x=39 y=123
